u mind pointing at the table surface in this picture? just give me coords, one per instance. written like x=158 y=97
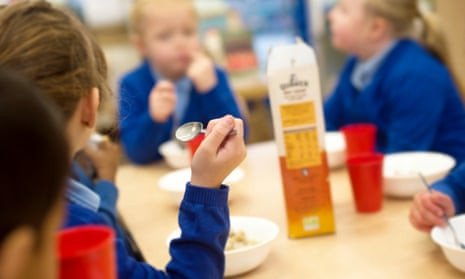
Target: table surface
x=379 y=245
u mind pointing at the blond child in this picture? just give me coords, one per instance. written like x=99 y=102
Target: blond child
x=395 y=78
x=54 y=50
x=175 y=83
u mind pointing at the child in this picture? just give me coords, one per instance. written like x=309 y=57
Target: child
x=31 y=203
x=53 y=49
x=176 y=82
x=393 y=81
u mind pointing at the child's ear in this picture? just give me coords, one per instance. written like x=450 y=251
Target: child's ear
x=90 y=104
x=138 y=43
x=16 y=252
x=380 y=28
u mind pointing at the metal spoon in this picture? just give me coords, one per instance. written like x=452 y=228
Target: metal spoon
x=191 y=130
x=452 y=229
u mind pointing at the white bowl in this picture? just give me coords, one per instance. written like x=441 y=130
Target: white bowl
x=244 y=259
x=401 y=171
x=174 y=182
x=176 y=156
x=443 y=237
x=335 y=149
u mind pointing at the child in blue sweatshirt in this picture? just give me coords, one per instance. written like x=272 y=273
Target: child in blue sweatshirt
x=54 y=50
x=176 y=82
x=31 y=197
x=393 y=81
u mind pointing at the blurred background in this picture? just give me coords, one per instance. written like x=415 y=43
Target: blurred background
x=238 y=35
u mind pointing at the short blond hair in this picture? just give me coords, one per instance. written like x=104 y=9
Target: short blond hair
x=139 y=6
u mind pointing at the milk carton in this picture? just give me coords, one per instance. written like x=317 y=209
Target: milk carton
x=294 y=89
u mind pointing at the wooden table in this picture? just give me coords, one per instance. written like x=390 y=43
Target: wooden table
x=380 y=245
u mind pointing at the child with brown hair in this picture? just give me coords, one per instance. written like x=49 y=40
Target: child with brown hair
x=396 y=78
x=176 y=83
x=54 y=50
x=33 y=143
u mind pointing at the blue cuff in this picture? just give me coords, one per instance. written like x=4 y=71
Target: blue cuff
x=206 y=196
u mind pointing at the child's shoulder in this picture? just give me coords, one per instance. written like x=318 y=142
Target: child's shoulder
x=409 y=58
x=413 y=55
x=140 y=74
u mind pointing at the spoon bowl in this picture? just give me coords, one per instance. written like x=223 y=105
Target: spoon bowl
x=189 y=131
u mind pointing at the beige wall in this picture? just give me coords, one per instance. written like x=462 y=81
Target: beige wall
x=452 y=15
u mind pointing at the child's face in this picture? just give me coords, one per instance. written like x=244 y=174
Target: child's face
x=168 y=39
x=30 y=254
x=349 y=26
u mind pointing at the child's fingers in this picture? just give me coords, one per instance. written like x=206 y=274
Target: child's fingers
x=219 y=133
x=423 y=204
x=445 y=202
x=165 y=85
x=210 y=126
x=417 y=221
x=428 y=203
x=197 y=54
x=239 y=126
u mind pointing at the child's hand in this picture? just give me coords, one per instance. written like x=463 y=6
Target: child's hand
x=105 y=158
x=202 y=72
x=430 y=209
x=162 y=101
x=218 y=154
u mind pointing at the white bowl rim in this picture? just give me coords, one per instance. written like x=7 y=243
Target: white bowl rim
x=451 y=163
x=435 y=236
x=273 y=227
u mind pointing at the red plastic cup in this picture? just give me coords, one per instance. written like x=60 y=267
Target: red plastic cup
x=195 y=143
x=365 y=173
x=87 y=252
x=360 y=138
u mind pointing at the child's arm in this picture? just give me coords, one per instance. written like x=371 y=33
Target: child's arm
x=140 y=134
x=204 y=214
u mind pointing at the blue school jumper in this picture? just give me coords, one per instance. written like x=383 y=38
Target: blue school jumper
x=141 y=136
x=411 y=98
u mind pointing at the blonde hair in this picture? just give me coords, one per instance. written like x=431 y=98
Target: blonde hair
x=405 y=16
x=54 y=50
x=139 y=7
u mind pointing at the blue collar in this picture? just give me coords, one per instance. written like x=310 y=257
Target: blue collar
x=364 y=71
x=82 y=195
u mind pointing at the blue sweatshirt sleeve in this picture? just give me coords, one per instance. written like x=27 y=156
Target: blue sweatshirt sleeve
x=414 y=110
x=454 y=186
x=198 y=253
x=140 y=135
